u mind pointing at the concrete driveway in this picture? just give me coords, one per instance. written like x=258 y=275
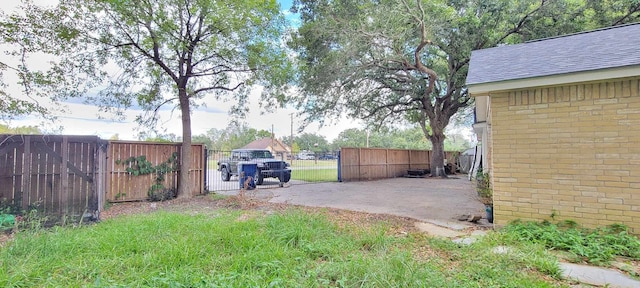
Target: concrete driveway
x=434 y=200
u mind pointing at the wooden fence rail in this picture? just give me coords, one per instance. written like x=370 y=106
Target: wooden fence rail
x=359 y=164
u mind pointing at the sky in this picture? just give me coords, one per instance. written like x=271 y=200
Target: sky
x=83 y=119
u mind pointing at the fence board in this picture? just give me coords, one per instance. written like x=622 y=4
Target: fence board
x=124 y=186
x=358 y=164
x=26 y=171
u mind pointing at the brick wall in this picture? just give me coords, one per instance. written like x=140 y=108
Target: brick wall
x=573 y=151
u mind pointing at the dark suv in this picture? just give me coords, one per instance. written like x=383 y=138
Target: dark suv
x=268 y=166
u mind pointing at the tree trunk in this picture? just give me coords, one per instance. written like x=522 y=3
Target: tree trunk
x=184 y=184
x=437 y=155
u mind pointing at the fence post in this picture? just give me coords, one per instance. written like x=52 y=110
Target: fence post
x=339 y=165
x=206 y=166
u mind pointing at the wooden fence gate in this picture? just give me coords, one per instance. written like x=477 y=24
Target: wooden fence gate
x=58 y=175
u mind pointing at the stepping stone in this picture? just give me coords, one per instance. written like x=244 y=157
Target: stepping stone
x=465 y=241
x=435 y=230
x=451 y=225
x=475 y=235
x=597 y=276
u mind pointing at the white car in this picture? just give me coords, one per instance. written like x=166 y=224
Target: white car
x=306 y=156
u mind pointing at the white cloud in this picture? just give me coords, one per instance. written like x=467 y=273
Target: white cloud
x=82 y=119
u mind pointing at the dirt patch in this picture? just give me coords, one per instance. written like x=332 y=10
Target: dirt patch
x=208 y=204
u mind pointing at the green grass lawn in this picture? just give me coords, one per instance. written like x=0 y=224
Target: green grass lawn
x=315 y=175
x=309 y=170
x=213 y=163
x=289 y=248
x=313 y=163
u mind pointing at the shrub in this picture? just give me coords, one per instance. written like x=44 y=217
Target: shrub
x=162 y=194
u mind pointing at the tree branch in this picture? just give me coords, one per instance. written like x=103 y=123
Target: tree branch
x=217 y=88
x=520 y=23
x=623 y=18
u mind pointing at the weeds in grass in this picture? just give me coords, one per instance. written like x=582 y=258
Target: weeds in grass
x=291 y=248
x=484 y=266
x=597 y=246
x=22 y=219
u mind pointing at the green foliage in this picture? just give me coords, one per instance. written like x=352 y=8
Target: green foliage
x=11 y=107
x=13 y=216
x=485 y=268
x=34 y=130
x=158 y=192
x=204 y=140
x=7 y=221
x=397 y=61
x=312 y=142
x=398 y=138
x=168 y=138
x=234 y=136
x=295 y=148
x=138 y=166
x=169 y=52
x=483 y=187
x=598 y=246
x=289 y=248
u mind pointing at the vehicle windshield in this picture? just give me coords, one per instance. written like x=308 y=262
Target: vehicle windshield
x=261 y=154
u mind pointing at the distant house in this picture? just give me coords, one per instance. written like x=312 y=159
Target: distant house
x=276 y=147
x=559 y=124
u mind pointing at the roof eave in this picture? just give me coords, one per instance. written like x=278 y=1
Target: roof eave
x=479 y=89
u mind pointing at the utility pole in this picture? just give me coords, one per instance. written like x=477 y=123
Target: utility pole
x=291 y=139
x=367 y=138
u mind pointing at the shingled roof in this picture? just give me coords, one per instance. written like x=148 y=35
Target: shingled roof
x=267 y=143
x=607 y=48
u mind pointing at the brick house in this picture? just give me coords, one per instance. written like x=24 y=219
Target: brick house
x=276 y=146
x=559 y=124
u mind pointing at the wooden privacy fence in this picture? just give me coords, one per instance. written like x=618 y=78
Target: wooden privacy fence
x=124 y=186
x=59 y=175
x=358 y=164
x=75 y=175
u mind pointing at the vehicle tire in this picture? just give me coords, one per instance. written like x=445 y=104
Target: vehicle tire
x=285 y=178
x=259 y=178
x=225 y=174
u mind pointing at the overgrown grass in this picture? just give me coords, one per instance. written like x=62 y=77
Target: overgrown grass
x=597 y=246
x=315 y=175
x=285 y=249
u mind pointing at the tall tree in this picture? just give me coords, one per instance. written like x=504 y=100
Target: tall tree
x=235 y=135
x=11 y=105
x=204 y=139
x=352 y=137
x=389 y=61
x=165 y=52
x=312 y=142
